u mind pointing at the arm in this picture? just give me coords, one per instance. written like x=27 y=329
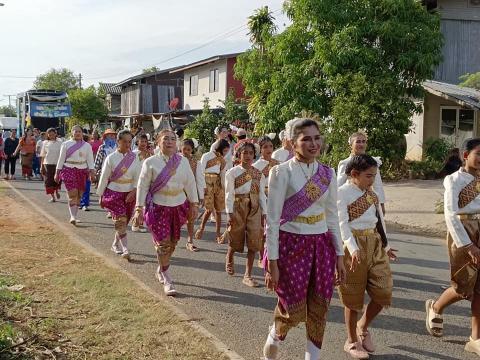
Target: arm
x=99 y=159
x=200 y=181
x=378 y=187
x=342 y=177
x=105 y=175
x=144 y=181
x=262 y=196
x=454 y=225
x=61 y=159
x=331 y=213
x=190 y=184
x=90 y=162
x=277 y=185
x=229 y=192
x=343 y=217
x=19 y=147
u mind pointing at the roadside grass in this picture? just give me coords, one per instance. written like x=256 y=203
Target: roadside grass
x=73 y=306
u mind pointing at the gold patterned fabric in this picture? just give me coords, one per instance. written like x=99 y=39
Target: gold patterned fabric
x=214 y=193
x=469 y=193
x=143 y=155
x=193 y=165
x=218 y=160
x=464 y=278
x=251 y=174
x=361 y=205
x=372 y=275
x=271 y=164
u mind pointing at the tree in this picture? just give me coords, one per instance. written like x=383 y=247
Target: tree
x=8 y=111
x=88 y=107
x=357 y=64
x=261 y=25
x=471 y=80
x=235 y=111
x=151 y=69
x=57 y=79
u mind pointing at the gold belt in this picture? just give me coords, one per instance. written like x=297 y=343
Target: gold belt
x=211 y=175
x=312 y=219
x=469 y=216
x=175 y=192
x=365 y=232
x=239 y=197
x=75 y=162
x=123 y=181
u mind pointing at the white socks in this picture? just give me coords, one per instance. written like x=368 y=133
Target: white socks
x=166 y=277
x=73 y=211
x=123 y=242
x=312 y=352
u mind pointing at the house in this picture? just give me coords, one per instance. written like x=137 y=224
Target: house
x=460 y=26
x=113 y=95
x=210 y=78
x=449 y=111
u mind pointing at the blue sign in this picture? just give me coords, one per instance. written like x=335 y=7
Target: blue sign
x=50 y=110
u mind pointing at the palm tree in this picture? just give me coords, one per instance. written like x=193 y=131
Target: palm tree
x=261 y=26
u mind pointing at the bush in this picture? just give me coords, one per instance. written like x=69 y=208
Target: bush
x=437 y=149
x=426 y=170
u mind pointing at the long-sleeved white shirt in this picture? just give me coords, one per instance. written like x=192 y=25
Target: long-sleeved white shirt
x=126 y=183
x=51 y=151
x=261 y=164
x=200 y=180
x=286 y=180
x=281 y=154
x=348 y=193
x=454 y=184
x=377 y=185
x=81 y=159
x=179 y=188
x=214 y=169
x=230 y=190
x=228 y=156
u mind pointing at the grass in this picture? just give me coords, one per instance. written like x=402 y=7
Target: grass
x=73 y=306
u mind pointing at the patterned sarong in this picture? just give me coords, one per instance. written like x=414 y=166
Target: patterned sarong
x=165 y=222
x=74 y=178
x=115 y=203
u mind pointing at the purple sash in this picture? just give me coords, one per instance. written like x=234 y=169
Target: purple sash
x=73 y=148
x=308 y=195
x=162 y=179
x=123 y=166
x=290 y=155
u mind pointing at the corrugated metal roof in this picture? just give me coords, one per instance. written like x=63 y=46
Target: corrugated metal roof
x=205 y=61
x=110 y=88
x=145 y=75
x=462 y=95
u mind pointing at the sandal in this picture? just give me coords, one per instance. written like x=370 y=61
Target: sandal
x=229 y=268
x=434 y=321
x=249 y=281
x=198 y=234
x=191 y=247
x=220 y=240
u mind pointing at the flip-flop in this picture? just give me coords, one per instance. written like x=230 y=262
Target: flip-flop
x=433 y=321
x=198 y=234
x=191 y=247
x=229 y=268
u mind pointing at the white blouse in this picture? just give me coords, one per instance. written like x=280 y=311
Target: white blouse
x=286 y=180
x=200 y=180
x=377 y=185
x=228 y=156
x=126 y=183
x=261 y=164
x=281 y=154
x=51 y=151
x=81 y=159
x=348 y=193
x=453 y=184
x=230 y=190
x=179 y=188
x=214 y=169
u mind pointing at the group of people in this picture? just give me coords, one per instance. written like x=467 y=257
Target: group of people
x=314 y=229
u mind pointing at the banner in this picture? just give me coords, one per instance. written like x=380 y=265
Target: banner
x=50 y=110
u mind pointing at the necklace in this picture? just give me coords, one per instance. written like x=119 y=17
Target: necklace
x=304 y=173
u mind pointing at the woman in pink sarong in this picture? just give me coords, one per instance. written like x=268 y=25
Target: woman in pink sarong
x=167 y=190
x=304 y=246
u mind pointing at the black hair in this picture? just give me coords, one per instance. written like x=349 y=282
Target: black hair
x=264 y=139
x=230 y=137
x=123 y=133
x=51 y=130
x=242 y=137
x=221 y=145
x=189 y=142
x=143 y=136
x=241 y=146
x=360 y=163
x=179 y=132
x=470 y=144
x=302 y=124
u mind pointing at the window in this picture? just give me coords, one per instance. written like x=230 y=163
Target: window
x=194 y=85
x=214 y=80
x=457 y=124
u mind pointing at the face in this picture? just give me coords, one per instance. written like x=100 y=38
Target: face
x=13 y=133
x=167 y=142
x=36 y=132
x=267 y=150
x=143 y=144
x=187 y=150
x=308 y=143
x=225 y=151
x=29 y=132
x=96 y=136
x=287 y=144
x=223 y=134
x=124 y=144
x=359 y=145
x=77 y=134
x=364 y=179
x=247 y=156
x=472 y=158
x=52 y=135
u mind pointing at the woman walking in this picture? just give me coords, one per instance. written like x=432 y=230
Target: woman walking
x=11 y=144
x=49 y=154
x=26 y=148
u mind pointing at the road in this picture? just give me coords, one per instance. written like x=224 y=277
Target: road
x=240 y=316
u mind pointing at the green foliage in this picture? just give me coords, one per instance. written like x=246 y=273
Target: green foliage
x=56 y=79
x=7 y=334
x=8 y=111
x=427 y=169
x=234 y=111
x=437 y=149
x=471 y=80
x=357 y=64
x=88 y=106
x=261 y=25
x=151 y=69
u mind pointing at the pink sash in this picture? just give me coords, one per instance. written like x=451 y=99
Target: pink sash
x=162 y=179
x=308 y=195
x=122 y=166
x=73 y=148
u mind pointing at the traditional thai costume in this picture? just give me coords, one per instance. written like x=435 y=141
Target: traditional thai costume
x=265 y=166
x=118 y=178
x=363 y=229
x=27 y=152
x=141 y=157
x=214 y=168
x=74 y=163
x=303 y=235
x=50 y=153
x=282 y=155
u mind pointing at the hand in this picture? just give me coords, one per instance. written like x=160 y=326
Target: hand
x=230 y=220
x=272 y=276
x=341 y=273
x=43 y=171
x=193 y=212
x=391 y=254
x=100 y=202
x=92 y=176
x=474 y=253
x=355 y=260
x=57 y=177
x=131 y=196
x=138 y=217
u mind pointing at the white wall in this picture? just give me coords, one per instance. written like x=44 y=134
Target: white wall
x=203 y=72
x=415 y=138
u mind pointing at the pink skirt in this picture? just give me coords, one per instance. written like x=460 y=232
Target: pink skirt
x=115 y=202
x=74 y=179
x=165 y=222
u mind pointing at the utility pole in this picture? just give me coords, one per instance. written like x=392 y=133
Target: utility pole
x=9 y=99
x=80 y=80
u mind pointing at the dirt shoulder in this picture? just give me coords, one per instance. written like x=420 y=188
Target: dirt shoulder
x=66 y=303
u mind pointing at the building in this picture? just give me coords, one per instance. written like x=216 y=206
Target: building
x=448 y=111
x=113 y=98
x=210 y=78
x=460 y=26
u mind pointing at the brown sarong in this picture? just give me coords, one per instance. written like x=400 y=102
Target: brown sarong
x=372 y=275
x=51 y=186
x=214 y=193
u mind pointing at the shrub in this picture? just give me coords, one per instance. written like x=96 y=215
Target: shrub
x=437 y=149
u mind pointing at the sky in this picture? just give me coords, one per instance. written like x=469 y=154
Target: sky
x=108 y=41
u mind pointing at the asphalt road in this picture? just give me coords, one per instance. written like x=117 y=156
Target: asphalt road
x=240 y=316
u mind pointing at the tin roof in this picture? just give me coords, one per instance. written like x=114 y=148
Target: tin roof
x=464 y=96
x=204 y=62
x=110 y=88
